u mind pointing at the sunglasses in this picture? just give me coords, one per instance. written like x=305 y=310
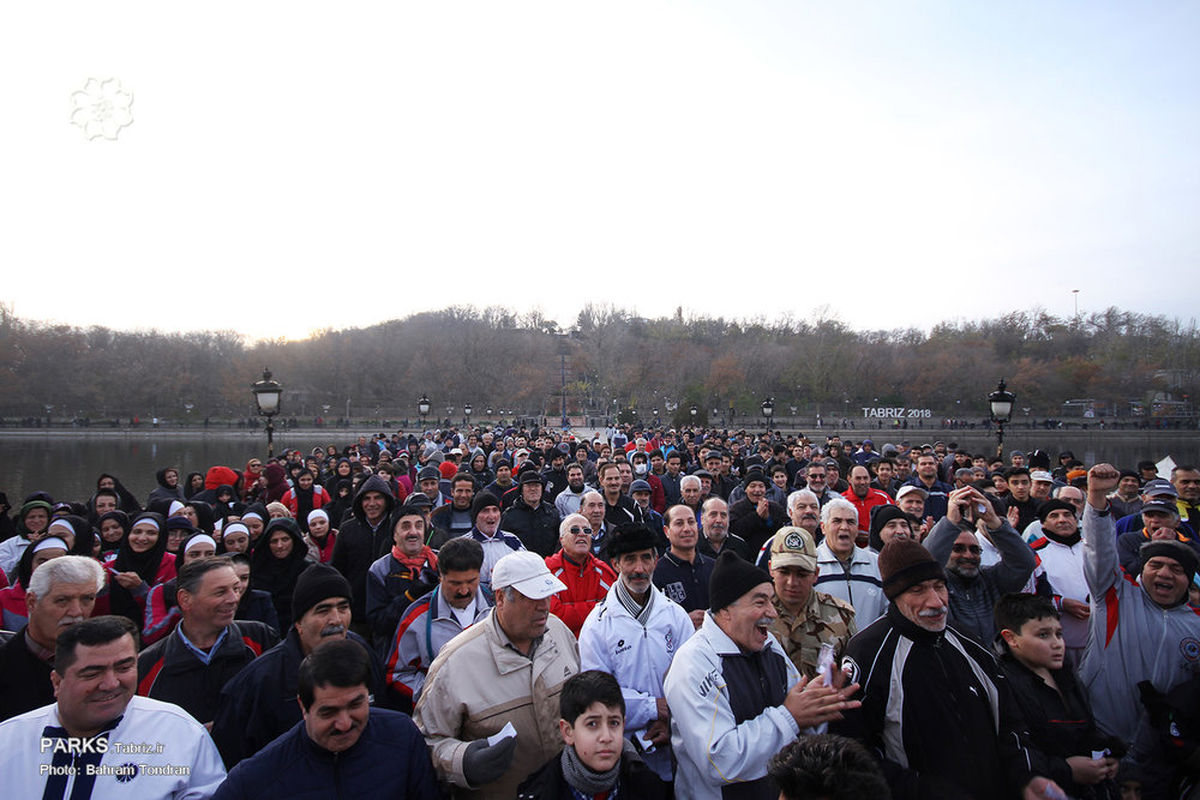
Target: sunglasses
x=576 y=529
x=973 y=549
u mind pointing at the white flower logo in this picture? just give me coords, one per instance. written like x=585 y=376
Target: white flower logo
x=101 y=108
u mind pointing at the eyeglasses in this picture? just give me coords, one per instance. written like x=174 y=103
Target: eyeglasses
x=576 y=529
x=973 y=549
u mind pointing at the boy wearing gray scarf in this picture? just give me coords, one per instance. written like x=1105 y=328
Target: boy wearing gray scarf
x=597 y=761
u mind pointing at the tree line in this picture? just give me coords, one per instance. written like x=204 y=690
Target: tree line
x=495 y=358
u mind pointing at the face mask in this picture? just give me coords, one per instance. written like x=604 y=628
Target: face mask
x=639 y=469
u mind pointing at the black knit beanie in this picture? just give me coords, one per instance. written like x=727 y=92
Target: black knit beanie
x=482 y=501
x=1170 y=548
x=904 y=563
x=318 y=582
x=880 y=516
x=731 y=578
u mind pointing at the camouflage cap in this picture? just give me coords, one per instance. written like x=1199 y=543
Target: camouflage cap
x=793 y=547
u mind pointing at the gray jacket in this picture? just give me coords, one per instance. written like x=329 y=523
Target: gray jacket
x=1130 y=637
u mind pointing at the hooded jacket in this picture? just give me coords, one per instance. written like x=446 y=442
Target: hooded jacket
x=359 y=544
x=162 y=491
x=11 y=549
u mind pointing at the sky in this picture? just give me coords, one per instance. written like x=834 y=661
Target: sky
x=290 y=167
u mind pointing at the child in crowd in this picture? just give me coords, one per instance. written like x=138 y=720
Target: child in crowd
x=597 y=761
x=1051 y=700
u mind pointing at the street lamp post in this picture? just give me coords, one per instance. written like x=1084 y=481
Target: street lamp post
x=768 y=409
x=423 y=407
x=266 y=395
x=467 y=414
x=694 y=411
x=1001 y=403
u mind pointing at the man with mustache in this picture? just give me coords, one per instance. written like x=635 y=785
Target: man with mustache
x=509 y=667
x=457 y=603
x=633 y=635
x=934 y=705
x=974 y=589
x=259 y=703
x=61 y=593
x=735 y=697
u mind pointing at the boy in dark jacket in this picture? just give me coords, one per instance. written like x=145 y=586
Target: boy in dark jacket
x=1051 y=700
x=597 y=761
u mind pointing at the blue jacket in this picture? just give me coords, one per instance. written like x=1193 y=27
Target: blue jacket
x=389 y=760
x=259 y=703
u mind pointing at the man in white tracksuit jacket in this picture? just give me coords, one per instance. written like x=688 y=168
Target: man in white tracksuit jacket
x=633 y=634
x=735 y=697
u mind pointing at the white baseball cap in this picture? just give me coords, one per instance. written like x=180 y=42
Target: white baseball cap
x=527 y=573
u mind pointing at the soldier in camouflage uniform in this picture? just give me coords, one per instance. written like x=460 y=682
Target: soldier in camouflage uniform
x=807 y=618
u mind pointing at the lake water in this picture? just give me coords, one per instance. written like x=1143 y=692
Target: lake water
x=67 y=465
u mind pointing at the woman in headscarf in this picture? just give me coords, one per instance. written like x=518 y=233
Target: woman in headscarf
x=250 y=476
x=168 y=487
x=341 y=471
x=193 y=485
x=277 y=561
x=277 y=484
x=113 y=527
x=141 y=563
x=129 y=503
x=13 y=613
x=305 y=496
x=32 y=520
x=76 y=531
x=235 y=537
x=320 y=537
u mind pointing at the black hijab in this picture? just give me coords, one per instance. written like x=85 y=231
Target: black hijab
x=129 y=503
x=146 y=565
x=278 y=575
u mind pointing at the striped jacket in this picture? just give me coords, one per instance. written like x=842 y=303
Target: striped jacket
x=858 y=584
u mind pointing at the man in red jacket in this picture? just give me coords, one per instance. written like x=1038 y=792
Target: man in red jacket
x=587 y=578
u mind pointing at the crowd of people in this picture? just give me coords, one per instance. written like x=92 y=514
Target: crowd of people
x=639 y=613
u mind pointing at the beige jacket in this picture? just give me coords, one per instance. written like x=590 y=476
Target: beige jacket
x=477 y=684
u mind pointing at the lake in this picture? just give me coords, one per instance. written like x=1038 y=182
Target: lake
x=67 y=463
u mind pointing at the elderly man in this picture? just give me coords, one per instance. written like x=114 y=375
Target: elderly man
x=975 y=589
x=592 y=508
x=808 y=620
x=691 y=492
x=682 y=573
x=633 y=635
x=845 y=570
x=61 y=593
x=43 y=753
x=735 y=697
x=259 y=703
x=587 y=578
x=508 y=668
x=934 y=706
x=1142 y=631
x=816 y=474
x=714 y=517
x=343 y=747
x=457 y=603
x=207 y=647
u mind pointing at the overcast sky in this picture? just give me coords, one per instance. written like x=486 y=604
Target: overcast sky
x=294 y=166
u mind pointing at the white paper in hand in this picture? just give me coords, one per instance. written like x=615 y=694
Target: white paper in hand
x=506 y=732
